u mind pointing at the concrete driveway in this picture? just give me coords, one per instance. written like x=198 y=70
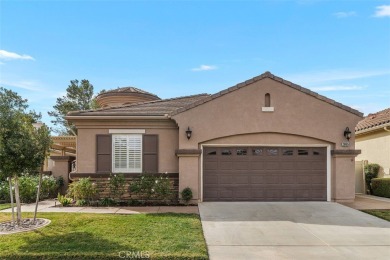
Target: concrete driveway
x=292 y=230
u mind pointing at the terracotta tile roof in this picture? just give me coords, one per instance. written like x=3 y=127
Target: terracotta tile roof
x=149 y=108
x=378 y=119
x=178 y=105
x=268 y=74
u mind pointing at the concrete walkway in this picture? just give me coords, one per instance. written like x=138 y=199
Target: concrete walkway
x=292 y=230
x=368 y=202
x=49 y=206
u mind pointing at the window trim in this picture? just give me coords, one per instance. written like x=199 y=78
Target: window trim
x=127 y=170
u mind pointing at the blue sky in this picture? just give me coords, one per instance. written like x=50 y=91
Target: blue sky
x=340 y=49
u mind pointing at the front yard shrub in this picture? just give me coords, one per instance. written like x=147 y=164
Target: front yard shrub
x=186 y=194
x=150 y=187
x=65 y=201
x=117 y=186
x=107 y=202
x=49 y=187
x=371 y=171
x=28 y=188
x=83 y=189
x=81 y=203
x=381 y=187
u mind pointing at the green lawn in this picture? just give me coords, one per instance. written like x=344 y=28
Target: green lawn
x=380 y=213
x=5 y=206
x=106 y=236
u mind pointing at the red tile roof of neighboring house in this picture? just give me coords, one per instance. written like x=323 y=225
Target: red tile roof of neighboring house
x=378 y=119
x=148 y=108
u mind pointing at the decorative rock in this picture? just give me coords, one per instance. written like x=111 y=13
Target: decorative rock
x=27 y=224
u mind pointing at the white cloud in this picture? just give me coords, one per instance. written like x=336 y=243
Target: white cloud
x=23 y=84
x=205 y=67
x=344 y=14
x=6 y=55
x=336 y=88
x=382 y=11
x=315 y=77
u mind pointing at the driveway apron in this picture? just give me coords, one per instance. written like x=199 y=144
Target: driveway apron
x=292 y=230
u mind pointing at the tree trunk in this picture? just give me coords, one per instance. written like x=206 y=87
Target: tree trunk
x=11 y=194
x=38 y=193
x=17 y=199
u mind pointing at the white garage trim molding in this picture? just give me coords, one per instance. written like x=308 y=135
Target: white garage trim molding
x=328 y=160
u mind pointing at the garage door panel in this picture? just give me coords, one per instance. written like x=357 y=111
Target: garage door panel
x=264 y=174
x=241 y=179
x=210 y=194
x=211 y=165
x=226 y=194
x=287 y=165
x=225 y=179
x=272 y=165
x=318 y=165
x=271 y=179
x=318 y=179
x=317 y=194
x=257 y=165
x=303 y=165
x=288 y=179
x=210 y=179
x=242 y=165
x=242 y=193
x=303 y=179
x=302 y=194
x=257 y=178
x=225 y=165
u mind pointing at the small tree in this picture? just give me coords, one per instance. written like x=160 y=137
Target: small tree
x=22 y=148
x=371 y=171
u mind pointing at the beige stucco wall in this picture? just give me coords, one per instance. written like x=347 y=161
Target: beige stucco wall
x=375 y=148
x=343 y=178
x=86 y=141
x=298 y=118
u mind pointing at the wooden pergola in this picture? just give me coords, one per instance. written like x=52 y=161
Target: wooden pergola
x=63 y=145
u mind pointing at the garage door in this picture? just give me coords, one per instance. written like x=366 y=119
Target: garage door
x=264 y=174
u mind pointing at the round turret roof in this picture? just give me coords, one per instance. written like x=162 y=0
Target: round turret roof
x=124 y=96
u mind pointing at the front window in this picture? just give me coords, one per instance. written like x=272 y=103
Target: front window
x=127 y=153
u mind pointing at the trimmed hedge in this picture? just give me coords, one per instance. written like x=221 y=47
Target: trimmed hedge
x=381 y=187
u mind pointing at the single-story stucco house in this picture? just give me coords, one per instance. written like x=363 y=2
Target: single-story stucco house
x=265 y=139
x=373 y=139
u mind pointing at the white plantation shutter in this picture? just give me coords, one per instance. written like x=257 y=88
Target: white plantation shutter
x=127 y=153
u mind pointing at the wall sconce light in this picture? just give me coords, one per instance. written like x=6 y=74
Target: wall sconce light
x=347 y=133
x=188 y=133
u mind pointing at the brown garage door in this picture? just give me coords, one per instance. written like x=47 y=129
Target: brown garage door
x=264 y=174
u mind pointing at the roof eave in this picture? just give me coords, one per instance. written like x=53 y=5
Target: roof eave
x=371 y=129
x=112 y=117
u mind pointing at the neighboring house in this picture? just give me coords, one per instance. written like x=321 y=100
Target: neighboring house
x=265 y=139
x=373 y=139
